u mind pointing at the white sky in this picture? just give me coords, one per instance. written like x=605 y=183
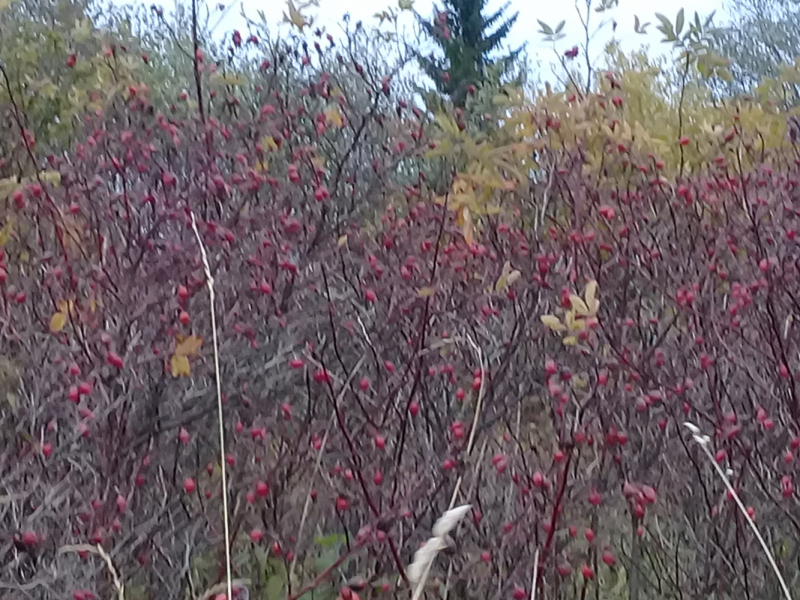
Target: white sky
x=329 y=14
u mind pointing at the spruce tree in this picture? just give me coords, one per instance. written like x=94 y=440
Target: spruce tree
x=467 y=41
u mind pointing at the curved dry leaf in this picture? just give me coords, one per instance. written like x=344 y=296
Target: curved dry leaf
x=591 y=297
x=578 y=305
x=449 y=520
x=57 y=322
x=552 y=322
x=422 y=558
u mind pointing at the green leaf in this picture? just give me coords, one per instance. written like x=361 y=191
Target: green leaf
x=325 y=559
x=275 y=575
x=546 y=29
x=665 y=27
x=334 y=539
x=560 y=26
x=679 y=22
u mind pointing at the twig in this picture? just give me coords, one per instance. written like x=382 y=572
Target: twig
x=704 y=441
x=425 y=555
x=220 y=587
x=98 y=549
x=307 y=504
x=225 y=520
x=535 y=574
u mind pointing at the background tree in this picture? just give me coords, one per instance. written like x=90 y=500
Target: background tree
x=761 y=36
x=463 y=33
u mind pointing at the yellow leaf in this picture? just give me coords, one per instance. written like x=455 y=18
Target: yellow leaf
x=295 y=17
x=426 y=292
x=578 y=305
x=507 y=277
x=187 y=346
x=341 y=241
x=570 y=340
x=591 y=297
x=334 y=117
x=5 y=232
x=57 y=322
x=65 y=306
x=572 y=323
x=553 y=323
x=579 y=382
x=261 y=166
x=51 y=177
x=466 y=227
x=405 y=4
x=179 y=366
x=269 y=142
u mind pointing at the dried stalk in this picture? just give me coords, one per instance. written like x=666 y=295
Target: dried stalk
x=220 y=414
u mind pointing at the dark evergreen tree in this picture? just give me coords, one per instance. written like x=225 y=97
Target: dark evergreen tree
x=467 y=41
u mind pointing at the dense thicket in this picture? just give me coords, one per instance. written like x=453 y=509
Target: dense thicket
x=414 y=309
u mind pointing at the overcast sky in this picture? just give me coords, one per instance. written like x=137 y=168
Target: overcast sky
x=330 y=13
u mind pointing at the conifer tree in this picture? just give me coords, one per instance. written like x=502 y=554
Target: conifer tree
x=468 y=39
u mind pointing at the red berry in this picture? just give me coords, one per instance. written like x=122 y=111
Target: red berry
x=122 y=503
x=296 y=363
x=189 y=486
x=184 y=317
x=256 y=536
x=114 y=360
x=587 y=572
x=519 y=593
x=262 y=489
x=29 y=538
x=183 y=436
x=609 y=559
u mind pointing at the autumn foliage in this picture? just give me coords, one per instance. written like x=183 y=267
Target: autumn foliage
x=556 y=294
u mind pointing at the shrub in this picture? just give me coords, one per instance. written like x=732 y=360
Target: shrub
x=531 y=332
